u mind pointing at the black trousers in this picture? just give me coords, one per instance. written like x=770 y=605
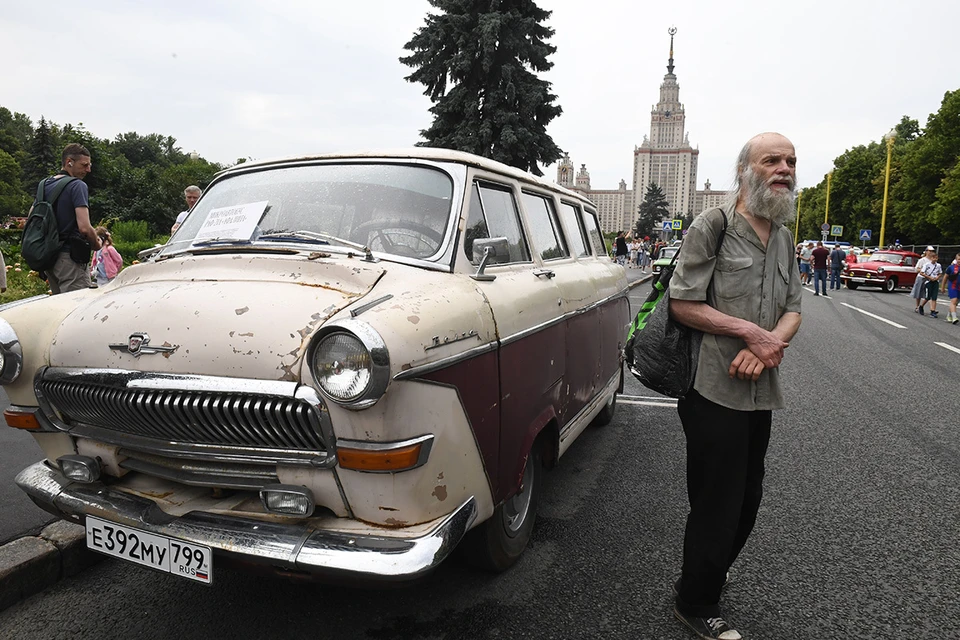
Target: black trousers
x=725 y=454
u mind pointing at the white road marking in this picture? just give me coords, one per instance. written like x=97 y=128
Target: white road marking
x=947 y=346
x=648 y=404
x=876 y=317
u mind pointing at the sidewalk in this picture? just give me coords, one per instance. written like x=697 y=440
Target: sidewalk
x=635 y=277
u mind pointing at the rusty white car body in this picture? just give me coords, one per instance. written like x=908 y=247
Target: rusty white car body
x=338 y=367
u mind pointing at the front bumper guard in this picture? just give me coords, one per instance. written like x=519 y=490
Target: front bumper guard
x=288 y=547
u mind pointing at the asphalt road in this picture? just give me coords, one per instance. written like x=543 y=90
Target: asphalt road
x=17 y=450
x=857 y=535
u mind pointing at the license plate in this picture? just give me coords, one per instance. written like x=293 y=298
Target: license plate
x=859 y=279
x=180 y=558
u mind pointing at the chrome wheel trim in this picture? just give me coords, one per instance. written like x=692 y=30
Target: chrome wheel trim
x=516 y=510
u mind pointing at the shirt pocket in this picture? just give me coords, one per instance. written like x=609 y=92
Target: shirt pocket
x=781 y=285
x=732 y=279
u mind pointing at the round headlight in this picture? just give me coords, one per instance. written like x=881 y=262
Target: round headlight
x=880 y=270
x=11 y=356
x=342 y=366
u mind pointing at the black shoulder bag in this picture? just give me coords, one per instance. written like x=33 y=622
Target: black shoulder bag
x=660 y=352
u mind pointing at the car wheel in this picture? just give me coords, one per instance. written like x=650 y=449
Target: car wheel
x=606 y=414
x=889 y=285
x=495 y=545
x=852 y=285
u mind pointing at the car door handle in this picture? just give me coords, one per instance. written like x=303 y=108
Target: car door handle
x=544 y=272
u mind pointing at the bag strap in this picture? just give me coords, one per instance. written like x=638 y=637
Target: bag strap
x=720 y=237
x=57 y=189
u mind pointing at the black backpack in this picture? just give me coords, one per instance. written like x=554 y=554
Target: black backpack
x=40 y=244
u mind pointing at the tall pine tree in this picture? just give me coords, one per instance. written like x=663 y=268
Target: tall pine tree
x=651 y=211
x=495 y=106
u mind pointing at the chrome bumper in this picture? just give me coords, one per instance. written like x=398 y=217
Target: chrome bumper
x=286 y=547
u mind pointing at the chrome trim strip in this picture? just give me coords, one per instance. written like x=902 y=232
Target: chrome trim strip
x=566 y=316
x=430 y=367
x=22 y=301
x=364 y=307
x=368 y=445
x=291 y=544
x=12 y=353
x=601 y=398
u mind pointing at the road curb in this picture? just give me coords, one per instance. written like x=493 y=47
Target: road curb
x=637 y=283
x=30 y=564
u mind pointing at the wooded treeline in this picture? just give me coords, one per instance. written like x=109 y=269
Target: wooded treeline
x=923 y=204
x=134 y=177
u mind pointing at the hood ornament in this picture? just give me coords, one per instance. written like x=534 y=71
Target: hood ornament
x=138 y=344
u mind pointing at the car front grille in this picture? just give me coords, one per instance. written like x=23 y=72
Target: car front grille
x=194 y=416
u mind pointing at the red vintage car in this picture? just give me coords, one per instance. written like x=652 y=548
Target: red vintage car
x=887 y=269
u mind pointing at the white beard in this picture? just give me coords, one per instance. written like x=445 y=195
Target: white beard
x=767 y=203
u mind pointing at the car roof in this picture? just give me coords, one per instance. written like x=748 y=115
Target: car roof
x=415 y=153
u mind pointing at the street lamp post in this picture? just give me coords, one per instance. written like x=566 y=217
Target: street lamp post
x=826 y=211
x=889 y=137
x=796 y=231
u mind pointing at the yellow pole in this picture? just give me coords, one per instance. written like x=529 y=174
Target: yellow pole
x=826 y=211
x=796 y=232
x=886 y=187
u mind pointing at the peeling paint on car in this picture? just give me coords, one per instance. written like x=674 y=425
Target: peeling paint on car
x=413 y=319
x=242 y=311
x=440 y=492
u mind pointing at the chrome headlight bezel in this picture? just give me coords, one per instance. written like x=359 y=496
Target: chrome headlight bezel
x=379 y=362
x=11 y=364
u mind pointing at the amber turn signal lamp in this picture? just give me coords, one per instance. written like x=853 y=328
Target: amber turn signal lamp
x=399 y=459
x=22 y=419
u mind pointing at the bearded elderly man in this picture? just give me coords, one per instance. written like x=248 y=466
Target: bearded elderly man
x=746 y=301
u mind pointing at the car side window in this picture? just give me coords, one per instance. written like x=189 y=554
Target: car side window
x=908 y=261
x=575 y=232
x=593 y=230
x=493 y=214
x=545 y=234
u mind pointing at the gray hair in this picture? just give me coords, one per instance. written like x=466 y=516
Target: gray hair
x=743 y=162
x=192 y=189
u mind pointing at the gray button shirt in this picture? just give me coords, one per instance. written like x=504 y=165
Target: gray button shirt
x=748 y=281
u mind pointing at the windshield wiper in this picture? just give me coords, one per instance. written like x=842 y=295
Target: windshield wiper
x=313 y=236
x=215 y=241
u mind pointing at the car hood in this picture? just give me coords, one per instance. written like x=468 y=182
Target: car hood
x=226 y=315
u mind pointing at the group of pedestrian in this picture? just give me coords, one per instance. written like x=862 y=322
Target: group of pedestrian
x=87 y=254
x=634 y=252
x=932 y=279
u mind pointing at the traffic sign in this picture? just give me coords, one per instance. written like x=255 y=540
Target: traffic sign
x=667 y=225
x=824 y=227
x=865 y=234
x=678 y=224
x=836 y=230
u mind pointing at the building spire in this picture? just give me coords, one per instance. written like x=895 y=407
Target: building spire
x=671 y=31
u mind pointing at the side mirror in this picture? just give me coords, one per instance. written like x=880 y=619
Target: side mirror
x=489 y=251
x=499 y=250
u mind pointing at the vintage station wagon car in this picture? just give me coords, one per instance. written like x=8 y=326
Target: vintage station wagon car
x=886 y=269
x=338 y=367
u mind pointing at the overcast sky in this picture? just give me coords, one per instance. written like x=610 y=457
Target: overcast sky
x=241 y=78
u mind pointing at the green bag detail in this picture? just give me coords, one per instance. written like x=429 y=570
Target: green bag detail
x=40 y=244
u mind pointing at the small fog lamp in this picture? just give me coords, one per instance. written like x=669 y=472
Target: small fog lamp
x=80 y=468
x=289 y=499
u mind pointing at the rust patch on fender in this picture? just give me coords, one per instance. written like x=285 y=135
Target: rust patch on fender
x=440 y=492
x=393 y=522
x=242 y=311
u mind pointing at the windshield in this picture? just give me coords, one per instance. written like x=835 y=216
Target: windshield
x=667 y=252
x=390 y=208
x=892 y=258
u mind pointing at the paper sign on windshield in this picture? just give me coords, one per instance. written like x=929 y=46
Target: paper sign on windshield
x=234 y=223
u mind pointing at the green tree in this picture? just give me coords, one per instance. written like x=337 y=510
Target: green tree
x=651 y=211
x=488 y=52
x=43 y=155
x=13 y=200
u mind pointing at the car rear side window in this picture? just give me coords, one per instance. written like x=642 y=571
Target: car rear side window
x=544 y=228
x=593 y=230
x=570 y=215
x=493 y=214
